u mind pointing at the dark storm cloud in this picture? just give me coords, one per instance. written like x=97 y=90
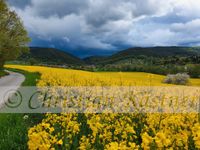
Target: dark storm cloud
x=110 y=24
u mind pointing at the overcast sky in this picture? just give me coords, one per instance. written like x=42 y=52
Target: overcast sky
x=89 y=27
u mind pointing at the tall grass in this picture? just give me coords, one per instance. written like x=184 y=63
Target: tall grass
x=14 y=127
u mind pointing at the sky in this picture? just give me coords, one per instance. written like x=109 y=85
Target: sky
x=101 y=27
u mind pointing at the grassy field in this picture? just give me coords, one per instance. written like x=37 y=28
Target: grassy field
x=14 y=127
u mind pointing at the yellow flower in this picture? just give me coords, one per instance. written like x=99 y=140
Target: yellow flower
x=161 y=140
x=113 y=146
x=146 y=140
x=60 y=142
x=196 y=135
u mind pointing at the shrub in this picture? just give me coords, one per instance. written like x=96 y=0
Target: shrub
x=194 y=70
x=33 y=61
x=179 y=79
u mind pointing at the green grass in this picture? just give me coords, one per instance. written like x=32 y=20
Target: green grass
x=13 y=127
x=3 y=73
x=31 y=78
x=12 y=132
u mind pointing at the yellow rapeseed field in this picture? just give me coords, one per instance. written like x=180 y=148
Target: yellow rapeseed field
x=84 y=78
x=123 y=131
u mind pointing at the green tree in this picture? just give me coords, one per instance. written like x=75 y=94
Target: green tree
x=13 y=36
x=33 y=61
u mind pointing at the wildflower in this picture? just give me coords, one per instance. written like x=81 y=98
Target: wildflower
x=25 y=117
x=60 y=142
x=161 y=140
x=146 y=140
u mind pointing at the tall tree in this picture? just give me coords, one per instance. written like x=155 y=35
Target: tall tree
x=13 y=36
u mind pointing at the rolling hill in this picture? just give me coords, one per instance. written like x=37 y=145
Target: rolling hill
x=56 y=56
x=148 y=52
x=50 y=56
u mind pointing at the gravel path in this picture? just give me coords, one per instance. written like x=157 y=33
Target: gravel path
x=9 y=83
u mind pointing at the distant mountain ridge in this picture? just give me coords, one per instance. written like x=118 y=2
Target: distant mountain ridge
x=56 y=56
x=149 y=52
x=51 y=55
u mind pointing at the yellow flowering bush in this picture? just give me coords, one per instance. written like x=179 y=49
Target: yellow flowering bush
x=178 y=129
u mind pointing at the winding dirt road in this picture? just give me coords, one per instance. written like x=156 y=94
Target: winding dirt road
x=9 y=83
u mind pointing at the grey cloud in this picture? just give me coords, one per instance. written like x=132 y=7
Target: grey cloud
x=19 y=3
x=110 y=24
x=146 y=7
x=190 y=27
x=61 y=8
x=102 y=12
